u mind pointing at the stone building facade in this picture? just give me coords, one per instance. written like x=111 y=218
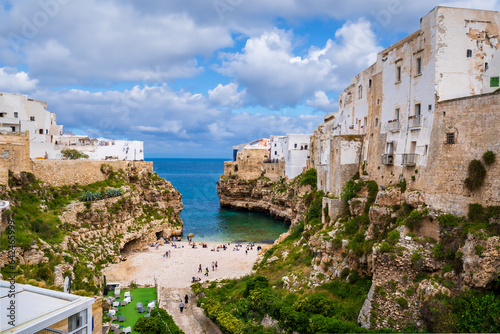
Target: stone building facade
x=438 y=82
x=14 y=154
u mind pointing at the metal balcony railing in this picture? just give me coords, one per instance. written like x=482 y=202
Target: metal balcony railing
x=394 y=125
x=388 y=159
x=414 y=121
x=409 y=159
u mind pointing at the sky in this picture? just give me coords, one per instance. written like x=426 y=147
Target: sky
x=192 y=78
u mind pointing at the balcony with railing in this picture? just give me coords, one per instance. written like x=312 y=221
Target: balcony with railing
x=409 y=159
x=388 y=159
x=394 y=125
x=414 y=122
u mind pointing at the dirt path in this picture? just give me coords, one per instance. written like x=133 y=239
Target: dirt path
x=192 y=320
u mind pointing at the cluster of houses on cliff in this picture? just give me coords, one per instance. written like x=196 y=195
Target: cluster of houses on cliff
x=28 y=131
x=425 y=109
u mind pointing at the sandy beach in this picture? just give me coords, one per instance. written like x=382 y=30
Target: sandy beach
x=178 y=270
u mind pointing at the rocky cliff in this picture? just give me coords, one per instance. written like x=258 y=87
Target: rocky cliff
x=411 y=252
x=90 y=225
x=282 y=200
x=421 y=262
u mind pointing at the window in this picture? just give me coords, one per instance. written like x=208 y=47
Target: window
x=77 y=320
x=3 y=114
x=5 y=154
x=13 y=128
x=419 y=65
x=305 y=147
x=398 y=74
x=40 y=131
x=396 y=114
x=275 y=152
x=360 y=91
x=486 y=66
x=16 y=114
x=418 y=109
x=376 y=121
x=370 y=83
x=494 y=82
x=430 y=107
x=426 y=149
x=46 y=131
x=295 y=146
x=32 y=118
x=469 y=53
x=450 y=138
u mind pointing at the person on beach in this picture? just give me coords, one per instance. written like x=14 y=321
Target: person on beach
x=199 y=269
x=186 y=299
x=215 y=265
x=181 y=306
x=206 y=271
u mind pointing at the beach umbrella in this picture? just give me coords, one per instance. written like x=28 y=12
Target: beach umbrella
x=190 y=235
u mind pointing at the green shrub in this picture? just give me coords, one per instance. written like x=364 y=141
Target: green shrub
x=344 y=273
x=385 y=247
x=310 y=177
x=72 y=154
x=350 y=190
x=393 y=237
x=489 y=158
x=402 y=302
x=476 y=175
x=256 y=283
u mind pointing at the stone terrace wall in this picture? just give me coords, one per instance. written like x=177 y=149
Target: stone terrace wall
x=67 y=172
x=476 y=124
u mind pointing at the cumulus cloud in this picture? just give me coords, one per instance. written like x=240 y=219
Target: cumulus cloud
x=110 y=41
x=173 y=123
x=226 y=96
x=16 y=82
x=322 y=102
x=275 y=76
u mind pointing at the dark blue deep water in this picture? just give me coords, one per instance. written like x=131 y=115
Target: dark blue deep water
x=196 y=180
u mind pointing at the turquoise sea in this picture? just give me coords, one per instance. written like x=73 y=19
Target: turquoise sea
x=196 y=180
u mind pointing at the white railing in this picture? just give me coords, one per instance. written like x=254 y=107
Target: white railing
x=414 y=121
x=388 y=159
x=394 y=125
x=409 y=159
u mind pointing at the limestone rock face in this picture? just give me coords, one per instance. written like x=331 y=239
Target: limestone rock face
x=481 y=261
x=282 y=202
x=35 y=256
x=99 y=231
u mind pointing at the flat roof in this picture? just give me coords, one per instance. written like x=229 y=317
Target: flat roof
x=36 y=308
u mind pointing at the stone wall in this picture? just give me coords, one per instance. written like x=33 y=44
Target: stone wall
x=274 y=171
x=248 y=164
x=476 y=124
x=14 y=154
x=66 y=172
x=344 y=158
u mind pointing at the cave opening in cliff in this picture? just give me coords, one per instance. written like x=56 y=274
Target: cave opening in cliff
x=133 y=245
x=159 y=235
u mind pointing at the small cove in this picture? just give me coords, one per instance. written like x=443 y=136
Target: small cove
x=196 y=180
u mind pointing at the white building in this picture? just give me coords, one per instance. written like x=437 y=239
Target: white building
x=293 y=149
x=20 y=114
x=258 y=144
x=392 y=104
x=27 y=309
